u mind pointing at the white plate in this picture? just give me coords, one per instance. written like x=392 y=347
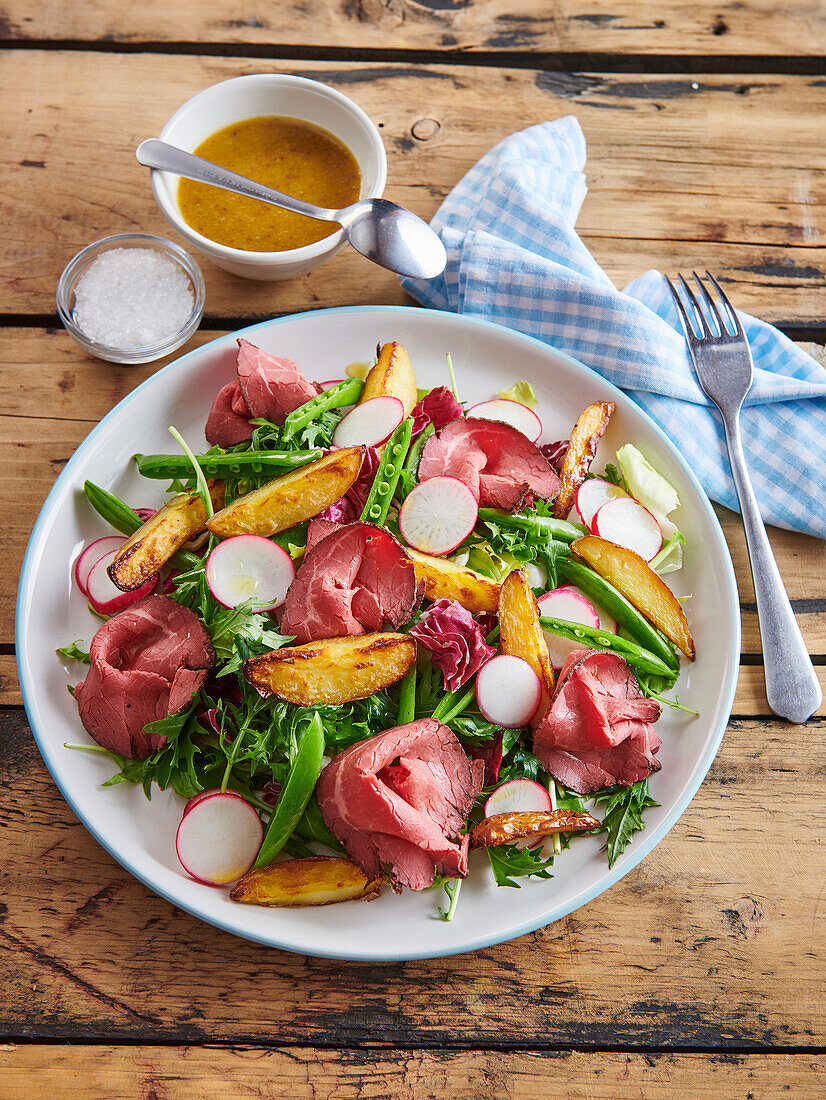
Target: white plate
x=140 y=835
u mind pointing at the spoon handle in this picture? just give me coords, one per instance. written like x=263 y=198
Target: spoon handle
x=168 y=158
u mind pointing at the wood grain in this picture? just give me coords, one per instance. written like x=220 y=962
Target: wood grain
x=716 y=939
x=678 y=172
x=607 y=26
x=302 y=1073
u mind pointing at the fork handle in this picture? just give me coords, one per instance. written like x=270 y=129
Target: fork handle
x=792 y=687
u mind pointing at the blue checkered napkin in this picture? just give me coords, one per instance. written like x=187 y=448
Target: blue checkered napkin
x=514 y=257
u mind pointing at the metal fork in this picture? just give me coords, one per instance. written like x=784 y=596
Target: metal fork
x=723 y=364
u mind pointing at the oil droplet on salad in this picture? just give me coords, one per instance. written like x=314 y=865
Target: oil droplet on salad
x=285 y=153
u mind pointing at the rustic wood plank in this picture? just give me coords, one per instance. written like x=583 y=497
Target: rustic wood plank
x=606 y=26
x=678 y=170
x=302 y=1073
x=715 y=940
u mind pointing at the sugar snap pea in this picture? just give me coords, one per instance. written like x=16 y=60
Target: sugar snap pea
x=313 y=827
x=410 y=471
x=345 y=393
x=300 y=784
x=387 y=475
x=407 y=698
x=638 y=658
x=163 y=467
x=603 y=593
x=539 y=526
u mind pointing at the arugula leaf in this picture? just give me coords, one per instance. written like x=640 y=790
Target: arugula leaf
x=613 y=475
x=507 y=860
x=623 y=816
x=74 y=652
x=520 y=764
x=451 y=886
x=229 y=625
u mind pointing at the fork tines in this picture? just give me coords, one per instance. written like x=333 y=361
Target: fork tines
x=705 y=317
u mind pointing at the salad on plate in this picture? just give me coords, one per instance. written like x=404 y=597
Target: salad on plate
x=373 y=630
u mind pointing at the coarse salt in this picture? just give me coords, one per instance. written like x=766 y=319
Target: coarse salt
x=132 y=298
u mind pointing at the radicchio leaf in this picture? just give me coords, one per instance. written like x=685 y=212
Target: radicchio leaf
x=455 y=641
x=438 y=408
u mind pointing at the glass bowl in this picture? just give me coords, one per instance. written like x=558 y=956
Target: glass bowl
x=147 y=353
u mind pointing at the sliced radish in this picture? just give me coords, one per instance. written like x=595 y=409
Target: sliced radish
x=196 y=798
x=104 y=596
x=331 y=382
x=625 y=522
x=437 y=515
x=371 y=423
x=91 y=555
x=510 y=412
x=218 y=837
x=592 y=494
x=569 y=604
x=249 y=567
x=508 y=691
x=520 y=796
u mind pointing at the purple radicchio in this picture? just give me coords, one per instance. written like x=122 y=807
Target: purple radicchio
x=455 y=641
x=438 y=408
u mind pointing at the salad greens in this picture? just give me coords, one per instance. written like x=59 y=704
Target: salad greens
x=230 y=737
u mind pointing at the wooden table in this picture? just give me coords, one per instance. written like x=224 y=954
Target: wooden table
x=700 y=974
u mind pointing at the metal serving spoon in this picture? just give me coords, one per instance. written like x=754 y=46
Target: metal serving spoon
x=383 y=231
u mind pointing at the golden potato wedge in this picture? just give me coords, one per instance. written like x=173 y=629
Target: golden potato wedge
x=162 y=536
x=290 y=499
x=586 y=435
x=334 y=671
x=316 y=880
x=445 y=580
x=522 y=636
x=640 y=585
x=504 y=828
x=392 y=376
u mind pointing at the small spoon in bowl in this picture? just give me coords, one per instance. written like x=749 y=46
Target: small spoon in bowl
x=383 y=231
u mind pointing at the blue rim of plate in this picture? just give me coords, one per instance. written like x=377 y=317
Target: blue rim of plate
x=626 y=863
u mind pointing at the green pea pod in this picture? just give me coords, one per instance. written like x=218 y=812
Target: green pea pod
x=345 y=393
x=454 y=703
x=637 y=657
x=113 y=509
x=164 y=467
x=539 y=526
x=410 y=471
x=603 y=593
x=300 y=784
x=407 y=698
x=387 y=475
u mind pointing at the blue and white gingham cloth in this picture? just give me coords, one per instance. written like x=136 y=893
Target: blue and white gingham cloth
x=514 y=257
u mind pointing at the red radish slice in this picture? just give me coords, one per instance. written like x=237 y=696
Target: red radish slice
x=371 y=423
x=625 y=522
x=592 y=494
x=437 y=515
x=104 y=596
x=91 y=555
x=508 y=691
x=510 y=412
x=520 y=796
x=196 y=798
x=331 y=382
x=249 y=567
x=218 y=838
x=569 y=604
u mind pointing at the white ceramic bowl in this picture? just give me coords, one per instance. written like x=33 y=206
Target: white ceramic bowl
x=250 y=97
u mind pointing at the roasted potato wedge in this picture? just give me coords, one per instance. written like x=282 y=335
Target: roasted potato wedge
x=585 y=437
x=316 y=880
x=392 y=376
x=640 y=585
x=290 y=499
x=503 y=828
x=445 y=580
x=522 y=636
x=334 y=671
x=162 y=536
